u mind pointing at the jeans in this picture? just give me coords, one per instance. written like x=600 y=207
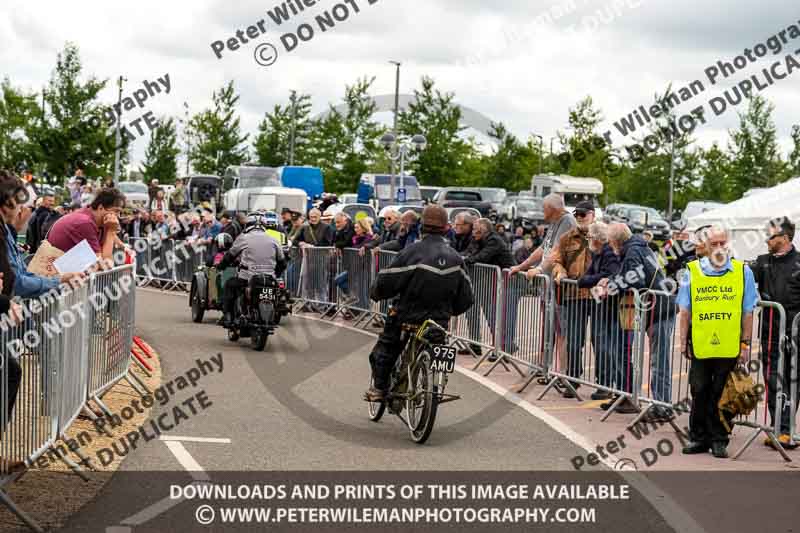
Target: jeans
x=14 y=373
x=770 y=355
x=608 y=342
x=478 y=311
x=660 y=335
x=574 y=317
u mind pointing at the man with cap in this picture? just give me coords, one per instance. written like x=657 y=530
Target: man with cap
x=286 y=220
x=427 y=280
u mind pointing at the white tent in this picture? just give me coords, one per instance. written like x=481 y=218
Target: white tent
x=746 y=219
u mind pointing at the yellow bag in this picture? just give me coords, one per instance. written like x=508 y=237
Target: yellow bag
x=42 y=262
x=740 y=396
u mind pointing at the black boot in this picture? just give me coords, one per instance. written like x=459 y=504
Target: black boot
x=719 y=450
x=693 y=447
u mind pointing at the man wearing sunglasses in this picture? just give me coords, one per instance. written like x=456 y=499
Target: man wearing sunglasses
x=777 y=274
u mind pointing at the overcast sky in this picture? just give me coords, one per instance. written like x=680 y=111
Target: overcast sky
x=491 y=54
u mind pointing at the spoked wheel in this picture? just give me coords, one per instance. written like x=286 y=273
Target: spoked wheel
x=375 y=409
x=423 y=402
x=197 y=307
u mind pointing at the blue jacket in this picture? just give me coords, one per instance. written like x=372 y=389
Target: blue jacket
x=636 y=253
x=26 y=284
x=605 y=264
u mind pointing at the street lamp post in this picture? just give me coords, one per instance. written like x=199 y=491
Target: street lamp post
x=541 y=151
x=401 y=149
x=117 y=134
x=396 y=110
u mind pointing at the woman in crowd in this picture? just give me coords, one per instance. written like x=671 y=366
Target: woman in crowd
x=364 y=232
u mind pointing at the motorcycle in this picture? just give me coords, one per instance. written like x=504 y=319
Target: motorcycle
x=259 y=309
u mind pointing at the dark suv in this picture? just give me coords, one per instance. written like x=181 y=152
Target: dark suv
x=640 y=218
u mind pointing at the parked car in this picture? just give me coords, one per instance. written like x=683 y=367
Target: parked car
x=527 y=212
x=497 y=197
x=428 y=192
x=135 y=193
x=464 y=197
x=640 y=218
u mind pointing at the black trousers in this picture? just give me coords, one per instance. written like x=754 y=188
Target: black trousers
x=770 y=367
x=14 y=373
x=386 y=351
x=233 y=288
x=707 y=378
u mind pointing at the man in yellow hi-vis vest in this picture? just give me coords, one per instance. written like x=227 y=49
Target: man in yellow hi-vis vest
x=716 y=298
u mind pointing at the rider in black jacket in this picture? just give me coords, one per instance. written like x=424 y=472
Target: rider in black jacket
x=428 y=281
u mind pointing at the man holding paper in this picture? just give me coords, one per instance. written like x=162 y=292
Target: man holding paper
x=97 y=225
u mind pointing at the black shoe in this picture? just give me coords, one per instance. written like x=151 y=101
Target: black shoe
x=567 y=392
x=476 y=349
x=600 y=395
x=492 y=358
x=719 y=450
x=605 y=406
x=693 y=447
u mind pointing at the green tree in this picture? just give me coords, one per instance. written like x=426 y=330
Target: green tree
x=75 y=131
x=753 y=149
x=217 y=135
x=435 y=115
x=512 y=164
x=345 y=144
x=272 y=145
x=794 y=156
x=715 y=172
x=160 y=156
x=18 y=113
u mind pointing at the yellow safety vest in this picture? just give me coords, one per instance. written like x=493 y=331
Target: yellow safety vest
x=277 y=235
x=716 y=311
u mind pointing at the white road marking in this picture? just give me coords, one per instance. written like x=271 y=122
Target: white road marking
x=195 y=439
x=673 y=514
x=187 y=461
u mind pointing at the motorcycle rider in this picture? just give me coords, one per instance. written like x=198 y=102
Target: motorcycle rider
x=257 y=253
x=428 y=281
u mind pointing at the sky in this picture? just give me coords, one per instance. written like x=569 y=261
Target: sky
x=520 y=62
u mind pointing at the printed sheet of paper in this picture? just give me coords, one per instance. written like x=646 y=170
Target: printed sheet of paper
x=77 y=259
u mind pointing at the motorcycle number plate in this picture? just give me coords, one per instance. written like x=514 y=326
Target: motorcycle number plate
x=267 y=293
x=444 y=358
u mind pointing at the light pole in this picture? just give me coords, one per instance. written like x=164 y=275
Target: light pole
x=186 y=134
x=117 y=134
x=396 y=110
x=402 y=148
x=294 y=119
x=541 y=151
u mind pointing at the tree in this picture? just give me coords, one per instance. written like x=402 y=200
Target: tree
x=160 y=157
x=272 y=145
x=217 y=134
x=345 y=144
x=18 y=112
x=433 y=114
x=753 y=149
x=715 y=171
x=794 y=156
x=512 y=164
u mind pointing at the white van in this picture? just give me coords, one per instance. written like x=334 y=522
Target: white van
x=573 y=189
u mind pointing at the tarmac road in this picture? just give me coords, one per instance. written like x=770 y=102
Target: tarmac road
x=295 y=412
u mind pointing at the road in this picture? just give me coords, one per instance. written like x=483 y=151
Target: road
x=295 y=412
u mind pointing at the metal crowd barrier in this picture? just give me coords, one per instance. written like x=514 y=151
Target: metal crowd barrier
x=384 y=259
x=167 y=263
x=68 y=348
x=317 y=272
x=795 y=375
x=358 y=270
x=292 y=274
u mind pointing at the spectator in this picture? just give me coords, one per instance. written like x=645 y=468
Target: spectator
x=344 y=231
x=538 y=236
x=391 y=229
x=40 y=222
x=23 y=283
x=160 y=224
x=9 y=386
x=639 y=270
x=298 y=222
x=210 y=227
x=152 y=190
x=524 y=251
x=139 y=226
x=159 y=202
x=410 y=232
x=720 y=336
x=518 y=239
x=87 y=195
x=647 y=235
x=363 y=232
x=286 y=218
x=570 y=258
x=489 y=248
x=500 y=229
x=179 y=198
x=679 y=252
x=463 y=242
x=777 y=275
x=98 y=224
x=108 y=183
x=314 y=232
x=560 y=221
x=613 y=355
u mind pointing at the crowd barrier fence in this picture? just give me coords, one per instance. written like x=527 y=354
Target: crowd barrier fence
x=67 y=350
